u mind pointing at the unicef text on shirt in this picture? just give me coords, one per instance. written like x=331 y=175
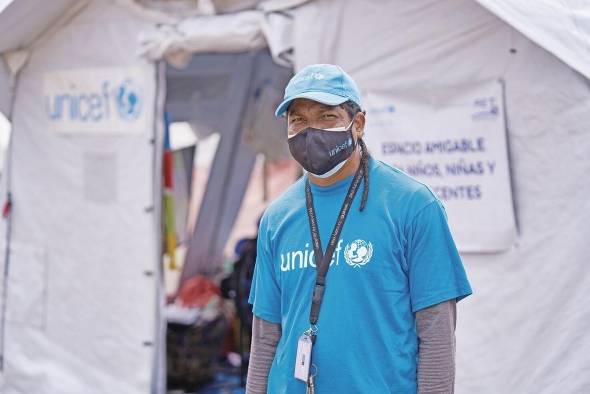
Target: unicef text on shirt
x=97 y=106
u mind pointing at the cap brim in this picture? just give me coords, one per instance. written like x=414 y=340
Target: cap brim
x=320 y=97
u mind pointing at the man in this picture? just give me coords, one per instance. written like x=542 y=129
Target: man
x=380 y=316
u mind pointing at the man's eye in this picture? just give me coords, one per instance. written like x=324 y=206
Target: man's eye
x=329 y=116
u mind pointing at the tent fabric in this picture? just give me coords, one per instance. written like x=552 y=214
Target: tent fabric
x=524 y=329
x=201 y=93
x=262 y=130
x=233 y=95
x=82 y=295
x=192 y=8
x=268 y=25
x=5 y=89
x=183 y=172
x=225 y=33
x=24 y=20
x=561 y=27
x=214 y=93
x=277 y=28
x=210 y=94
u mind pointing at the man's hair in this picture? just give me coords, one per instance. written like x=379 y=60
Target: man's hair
x=351 y=108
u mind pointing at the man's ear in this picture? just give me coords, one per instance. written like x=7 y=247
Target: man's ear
x=358 y=125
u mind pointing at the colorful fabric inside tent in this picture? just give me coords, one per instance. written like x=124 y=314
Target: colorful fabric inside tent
x=169 y=225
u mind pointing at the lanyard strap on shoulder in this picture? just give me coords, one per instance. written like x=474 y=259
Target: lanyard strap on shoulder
x=323 y=260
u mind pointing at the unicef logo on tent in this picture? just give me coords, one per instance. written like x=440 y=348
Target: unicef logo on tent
x=128 y=100
x=99 y=100
x=358 y=253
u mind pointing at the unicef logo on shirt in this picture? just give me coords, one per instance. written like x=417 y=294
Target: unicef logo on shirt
x=128 y=100
x=358 y=253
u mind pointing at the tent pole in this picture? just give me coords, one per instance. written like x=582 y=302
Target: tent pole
x=159 y=383
x=7 y=214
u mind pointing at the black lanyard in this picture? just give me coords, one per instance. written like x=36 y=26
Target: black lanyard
x=322 y=262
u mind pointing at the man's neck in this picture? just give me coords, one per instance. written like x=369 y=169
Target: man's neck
x=348 y=169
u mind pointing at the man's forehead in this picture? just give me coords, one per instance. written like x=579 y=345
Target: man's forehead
x=303 y=104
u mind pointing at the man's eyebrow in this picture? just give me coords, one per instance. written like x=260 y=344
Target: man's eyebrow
x=293 y=112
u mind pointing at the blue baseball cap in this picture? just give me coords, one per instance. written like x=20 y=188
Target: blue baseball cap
x=325 y=83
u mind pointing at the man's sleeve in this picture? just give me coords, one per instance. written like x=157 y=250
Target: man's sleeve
x=436 y=354
x=436 y=273
x=265 y=293
x=265 y=337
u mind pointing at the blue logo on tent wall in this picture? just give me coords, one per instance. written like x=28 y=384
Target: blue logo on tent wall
x=485 y=108
x=384 y=109
x=128 y=100
x=77 y=105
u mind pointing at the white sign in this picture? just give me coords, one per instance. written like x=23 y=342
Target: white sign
x=453 y=140
x=95 y=100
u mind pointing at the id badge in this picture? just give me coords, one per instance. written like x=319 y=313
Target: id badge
x=303 y=358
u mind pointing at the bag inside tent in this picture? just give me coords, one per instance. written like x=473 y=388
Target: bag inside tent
x=144 y=148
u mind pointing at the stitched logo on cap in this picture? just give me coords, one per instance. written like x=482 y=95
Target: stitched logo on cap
x=310 y=76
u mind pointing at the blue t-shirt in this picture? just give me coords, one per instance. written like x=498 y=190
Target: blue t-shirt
x=393 y=259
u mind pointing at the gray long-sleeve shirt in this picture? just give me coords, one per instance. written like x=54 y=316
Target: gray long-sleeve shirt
x=436 y=352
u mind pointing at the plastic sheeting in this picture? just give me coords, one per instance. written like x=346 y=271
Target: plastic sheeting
x=525 y=328
x=83 y=278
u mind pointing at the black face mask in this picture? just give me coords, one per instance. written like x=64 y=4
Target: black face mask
x=322 y=152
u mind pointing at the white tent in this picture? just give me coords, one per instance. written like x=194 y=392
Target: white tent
x=83 y=294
